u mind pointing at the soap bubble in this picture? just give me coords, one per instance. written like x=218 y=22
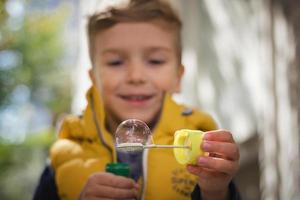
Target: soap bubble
x=132 y=135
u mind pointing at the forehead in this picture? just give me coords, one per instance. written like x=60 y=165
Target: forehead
x=132 y=35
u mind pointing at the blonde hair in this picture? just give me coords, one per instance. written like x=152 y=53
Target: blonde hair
x=135 y=11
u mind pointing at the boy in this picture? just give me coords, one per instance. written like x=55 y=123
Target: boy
x=136 y=56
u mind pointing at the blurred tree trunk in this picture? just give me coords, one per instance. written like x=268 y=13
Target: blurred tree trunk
x=285 y=116
x=291 y=10
x=272 y=27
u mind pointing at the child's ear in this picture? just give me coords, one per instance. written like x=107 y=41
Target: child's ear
x=92 y=75
x=180 y=73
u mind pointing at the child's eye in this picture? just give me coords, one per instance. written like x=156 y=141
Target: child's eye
x=156 y=62
x=115 y=63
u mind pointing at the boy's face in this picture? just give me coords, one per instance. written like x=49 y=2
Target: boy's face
x=134 y=65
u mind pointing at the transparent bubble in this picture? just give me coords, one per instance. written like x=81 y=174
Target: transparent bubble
x=132 y=135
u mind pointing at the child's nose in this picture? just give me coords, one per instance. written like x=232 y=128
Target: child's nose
x=136 y=73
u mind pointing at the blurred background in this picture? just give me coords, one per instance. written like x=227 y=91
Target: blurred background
x=242 y=62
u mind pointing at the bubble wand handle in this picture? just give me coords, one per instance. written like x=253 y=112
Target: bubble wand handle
x=165 y=146
x=139 y=146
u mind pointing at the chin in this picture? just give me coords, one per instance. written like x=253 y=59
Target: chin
x=145 y=118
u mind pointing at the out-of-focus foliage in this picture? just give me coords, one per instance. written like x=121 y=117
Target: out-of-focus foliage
x=20 y=165
x=36 y=52
x=34 y=75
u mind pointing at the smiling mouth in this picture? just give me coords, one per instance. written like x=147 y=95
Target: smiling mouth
x=136 y=98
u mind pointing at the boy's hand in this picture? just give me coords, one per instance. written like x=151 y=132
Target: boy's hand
x=216 y=170
x=108 y=186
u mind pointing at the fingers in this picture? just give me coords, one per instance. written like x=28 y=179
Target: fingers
x=101 y=198
x=113 y=193
x=228 y=150
x=112 y=180
x=204 y=173
x=218 y=135
x=109 y=186
x=218 y=164
x=220 y=142
x=216 y=170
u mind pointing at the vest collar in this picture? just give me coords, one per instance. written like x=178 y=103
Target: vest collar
x=94 y=117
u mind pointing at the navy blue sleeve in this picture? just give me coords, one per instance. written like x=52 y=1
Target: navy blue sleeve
x=233 y=192
x=46 y=188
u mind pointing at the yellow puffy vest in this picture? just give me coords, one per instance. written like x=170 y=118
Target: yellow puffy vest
x=85 y=146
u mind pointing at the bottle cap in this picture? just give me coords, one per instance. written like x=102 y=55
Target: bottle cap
x=192 y=138
x=120 y=169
